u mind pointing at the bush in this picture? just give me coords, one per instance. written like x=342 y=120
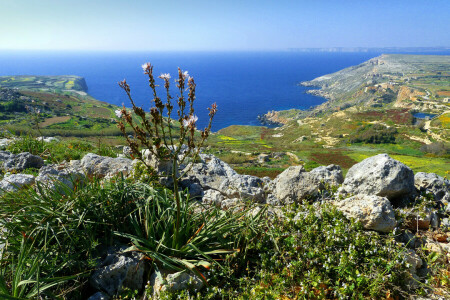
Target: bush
x=374 y=134
x=313 y=253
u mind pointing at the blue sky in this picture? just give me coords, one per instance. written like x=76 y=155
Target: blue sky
x=221 y=25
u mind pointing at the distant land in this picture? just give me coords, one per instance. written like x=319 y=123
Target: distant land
x=64 y=106
x=373 y=49
x=396 y=104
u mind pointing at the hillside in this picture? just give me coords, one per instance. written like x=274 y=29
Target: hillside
x=372 y=108
x=418 y=82
x=62 y=102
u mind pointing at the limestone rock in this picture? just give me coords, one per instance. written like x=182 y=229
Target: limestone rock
x=435 y=184
x=374 y=212
x=4 y=143
x=47 y=139
x=11 y=183
x=295 y=184
x=262 y=158
x=119 y=270
x=102 y=166
x=175 y=282
x=212 y=173
x=382 y=176
x=54 y=177
x=20 y=162
x=331 y=174
x=244 y=187
x=213 y=197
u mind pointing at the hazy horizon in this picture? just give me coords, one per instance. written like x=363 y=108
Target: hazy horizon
x=201 y=25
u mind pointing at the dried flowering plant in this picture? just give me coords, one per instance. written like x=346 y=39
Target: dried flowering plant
x=156 y=130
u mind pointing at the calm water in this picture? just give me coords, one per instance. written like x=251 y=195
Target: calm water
x=243 y=84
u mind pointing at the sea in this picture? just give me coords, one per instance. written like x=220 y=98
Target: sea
x=242 y=84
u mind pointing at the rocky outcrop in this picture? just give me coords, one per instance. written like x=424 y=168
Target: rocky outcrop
x=212 y=173
x=432 y=183
x=58 y=178
x=382 y=176
x=331 y=174
x=12 y=183
x=94 y=165
x=19 y=162
x=118 y=271
x=295 y=184
x=374 y=212
x=175 y=281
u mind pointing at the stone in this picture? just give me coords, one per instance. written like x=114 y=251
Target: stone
x=47 y=139
x=263 y=158
x=382 y=176
x=4 y=143
x=119 y=270
x=126 y=150
x=415 y=220
x=294 y=185
x=162 y=167
x=432 y=246
x=20 y=162
x=94 y=165
x=432 y=183
x=278 y=155
x=374 y=212
x=52 y=177
x=213 y=173
x=331 y=174
x=213 y=197
x=12 y=183
x=245 y=187
x=175 y=282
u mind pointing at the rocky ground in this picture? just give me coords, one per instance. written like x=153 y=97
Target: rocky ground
x=381 y=193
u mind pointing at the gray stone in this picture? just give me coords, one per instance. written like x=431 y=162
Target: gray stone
x=57 y=177
x=435 y=184
x=47 y=139
x=374 y=212
x=294 y=185
x=11 y=183
x=20 y=162
x=213 y=197
x=126 y=150
x=119 y=270
x=94 y=165
x=4 y=143
x=244 y=187
x=331 y=174
x=262 y=158
x=212 y=173
x=382 y=176
x=175 y=282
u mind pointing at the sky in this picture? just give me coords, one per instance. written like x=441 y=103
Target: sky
x=225 y=25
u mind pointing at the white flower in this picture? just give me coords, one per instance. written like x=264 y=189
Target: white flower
x=145 y=66
x=190 y=121
x=165 y=76
x=118 y=113
x=185 y=75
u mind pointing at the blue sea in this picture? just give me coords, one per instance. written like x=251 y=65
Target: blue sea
x=243 y=84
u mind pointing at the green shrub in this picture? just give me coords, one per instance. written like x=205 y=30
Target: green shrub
x=374 y=134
